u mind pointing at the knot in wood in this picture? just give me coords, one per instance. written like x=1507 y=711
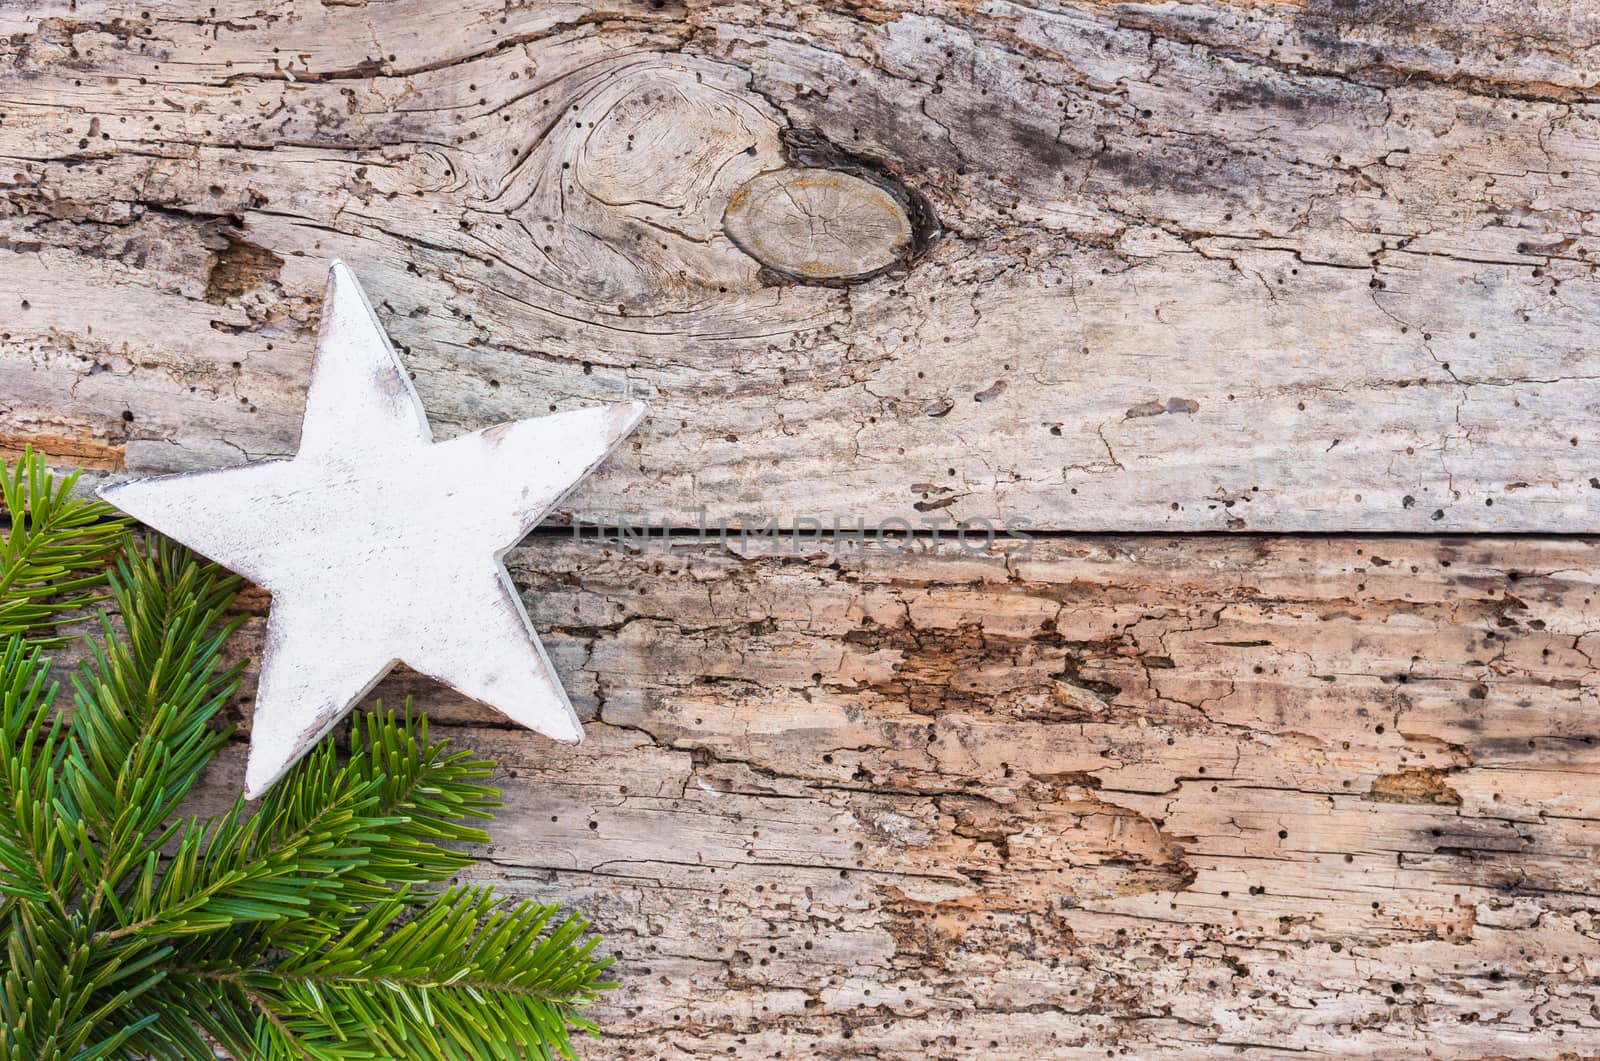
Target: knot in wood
x=819 y=225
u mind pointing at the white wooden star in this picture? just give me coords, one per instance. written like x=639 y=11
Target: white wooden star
x=380 y=545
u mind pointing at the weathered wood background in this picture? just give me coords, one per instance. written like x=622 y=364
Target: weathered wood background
x=1288 y=268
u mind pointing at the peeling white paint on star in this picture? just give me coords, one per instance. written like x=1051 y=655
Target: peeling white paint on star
x=381 y=546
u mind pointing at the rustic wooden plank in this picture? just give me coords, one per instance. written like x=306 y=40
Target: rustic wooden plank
x=1199 y=266
x=1158 y=796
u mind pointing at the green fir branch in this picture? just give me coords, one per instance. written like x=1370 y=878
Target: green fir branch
x=54 y=552
x=458 y=977
x=311 y=925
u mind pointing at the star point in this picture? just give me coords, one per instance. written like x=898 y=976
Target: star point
x=381 y=546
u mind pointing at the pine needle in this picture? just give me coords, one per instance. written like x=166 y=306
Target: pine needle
x=53 y=554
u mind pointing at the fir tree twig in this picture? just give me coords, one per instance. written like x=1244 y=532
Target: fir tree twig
x=310 y=926
x=54 y=552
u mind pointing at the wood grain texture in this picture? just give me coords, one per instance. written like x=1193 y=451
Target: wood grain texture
x=818 y=225
x=1321 y=265
x=1271 y=266
x=1153 y=796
